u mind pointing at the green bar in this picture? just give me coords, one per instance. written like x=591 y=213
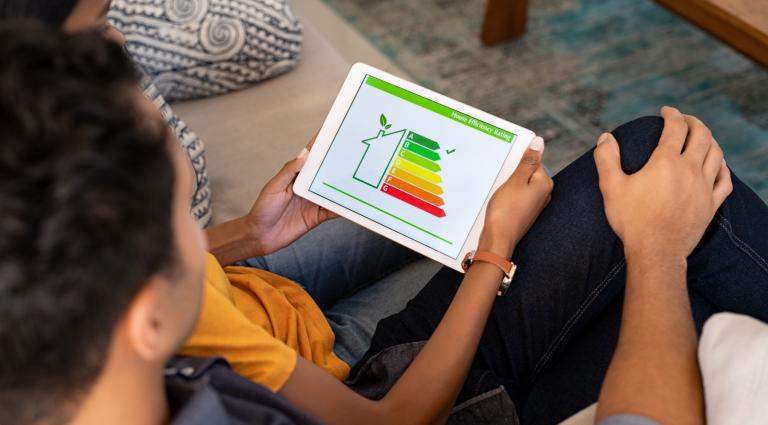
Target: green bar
x=438 y=108
x=426 y=153
x=387 y=213
x=419 y=160
x=427 y=143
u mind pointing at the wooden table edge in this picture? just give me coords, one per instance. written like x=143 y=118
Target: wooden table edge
x=724 y=25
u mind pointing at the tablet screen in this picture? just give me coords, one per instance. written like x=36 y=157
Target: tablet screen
x=412 y=164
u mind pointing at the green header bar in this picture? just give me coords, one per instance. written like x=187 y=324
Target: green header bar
x=440 y=109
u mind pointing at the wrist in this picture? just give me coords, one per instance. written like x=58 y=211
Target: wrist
x=499 y=248
x=654 y=259
x=487 y=276
x=653 y=252
x=233 y=241
x=250 y=237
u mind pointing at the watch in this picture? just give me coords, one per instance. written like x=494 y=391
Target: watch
x=505 y=265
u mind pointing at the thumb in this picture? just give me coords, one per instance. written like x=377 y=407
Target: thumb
x=608 y=159
x=531 y=160
x=324 y=214
x=312 y=141
x=285 y=177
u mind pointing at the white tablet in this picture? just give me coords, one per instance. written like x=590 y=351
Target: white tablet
x=410 y=164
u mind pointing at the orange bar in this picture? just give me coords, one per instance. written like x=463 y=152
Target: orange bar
x=414 y=201
x=415 y=191
x=415 y=180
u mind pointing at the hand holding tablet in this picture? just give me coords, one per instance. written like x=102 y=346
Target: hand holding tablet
x=410 y=164
x=517 y=203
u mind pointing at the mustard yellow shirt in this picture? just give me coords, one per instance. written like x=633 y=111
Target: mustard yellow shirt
x=260 y=322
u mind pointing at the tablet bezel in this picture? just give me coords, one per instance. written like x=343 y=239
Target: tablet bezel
x=332 y=124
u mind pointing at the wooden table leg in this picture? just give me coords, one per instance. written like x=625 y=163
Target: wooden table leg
x=504 y=20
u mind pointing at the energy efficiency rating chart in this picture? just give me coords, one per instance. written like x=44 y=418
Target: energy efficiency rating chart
x=414 y=177
x=425 y=175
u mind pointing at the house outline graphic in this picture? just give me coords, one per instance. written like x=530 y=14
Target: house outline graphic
x=410 y=174
x=372 y=168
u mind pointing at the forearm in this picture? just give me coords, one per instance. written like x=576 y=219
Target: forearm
x=654 y=371
x=428 y=388
x=230 y=242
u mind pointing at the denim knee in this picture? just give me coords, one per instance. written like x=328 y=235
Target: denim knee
x=637 y=140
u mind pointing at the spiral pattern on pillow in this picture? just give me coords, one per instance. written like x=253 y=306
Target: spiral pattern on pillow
x=185 y=11
x=200 y=48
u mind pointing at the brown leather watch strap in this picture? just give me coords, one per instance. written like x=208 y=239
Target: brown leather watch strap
x=489 y=257
x=506 y=266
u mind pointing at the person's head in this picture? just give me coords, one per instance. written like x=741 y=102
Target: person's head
x=70 y=15
x=100 y=261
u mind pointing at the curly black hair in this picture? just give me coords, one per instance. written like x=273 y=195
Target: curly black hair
x=86 y=187
x=51 y=12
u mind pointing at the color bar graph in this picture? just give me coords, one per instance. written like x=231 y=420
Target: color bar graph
x=413 y=177
x=416 y=191
x=427 y=143
x=416 y=202
x=417 y=170
x=418 y=149
x=419 y=160
x=416 y=181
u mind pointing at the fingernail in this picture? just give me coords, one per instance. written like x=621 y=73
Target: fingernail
x=303 y=154
x=603 y=137
x=537 y=144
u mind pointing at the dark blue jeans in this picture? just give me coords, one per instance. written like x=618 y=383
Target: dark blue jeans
x=550 y=338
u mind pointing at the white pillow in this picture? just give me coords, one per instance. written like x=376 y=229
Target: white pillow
x=733 y=356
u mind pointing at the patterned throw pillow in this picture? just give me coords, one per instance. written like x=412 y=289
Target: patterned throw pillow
x=199 y=48
x=201 y=208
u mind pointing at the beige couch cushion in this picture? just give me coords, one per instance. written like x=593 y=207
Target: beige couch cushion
x=251 y=133
x=733 y=357
x=733 y=353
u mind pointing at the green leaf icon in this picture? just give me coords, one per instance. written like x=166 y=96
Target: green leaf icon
x=386 y=127
x=383 y=120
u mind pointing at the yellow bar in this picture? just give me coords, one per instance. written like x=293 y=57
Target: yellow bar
x=417 y=171
x=416 y=181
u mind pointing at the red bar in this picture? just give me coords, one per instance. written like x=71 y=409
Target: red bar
x=416 y=202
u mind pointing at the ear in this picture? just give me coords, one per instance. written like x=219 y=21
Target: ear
x=146 y=327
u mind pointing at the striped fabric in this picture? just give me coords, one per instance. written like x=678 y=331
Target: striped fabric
x=199 y=48
x=201 y=208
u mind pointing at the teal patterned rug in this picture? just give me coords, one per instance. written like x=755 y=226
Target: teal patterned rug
x=584 y=66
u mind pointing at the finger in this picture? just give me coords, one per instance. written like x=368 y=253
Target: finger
x=698 y=141
x=713 y=162
x=312 y=141
x=608 y=160
x=324 y=214
x=285 y=177
x=540 y=176
x=723 y=185
x=675 y=130
x=531 y=160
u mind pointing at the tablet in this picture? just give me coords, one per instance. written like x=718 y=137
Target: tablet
x=410 y=164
